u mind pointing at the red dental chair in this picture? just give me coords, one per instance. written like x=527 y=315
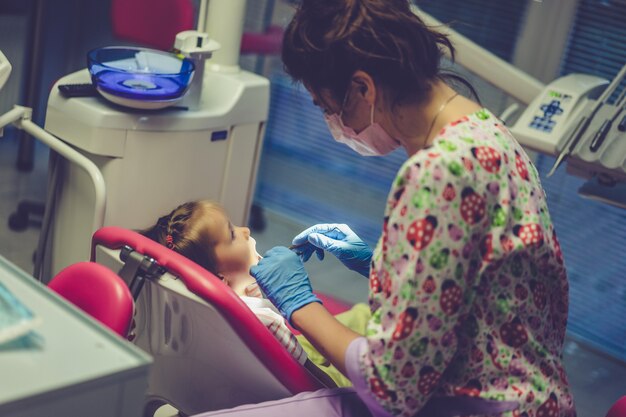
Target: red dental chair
x=94 y=289
x=210 y=351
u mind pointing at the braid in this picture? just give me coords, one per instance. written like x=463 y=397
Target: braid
x=178 y=224
x=182 y=231
x=163 y=221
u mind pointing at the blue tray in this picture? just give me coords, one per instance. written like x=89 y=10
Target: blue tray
x=139 y=73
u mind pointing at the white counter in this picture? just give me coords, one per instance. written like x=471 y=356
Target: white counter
x=80 y=368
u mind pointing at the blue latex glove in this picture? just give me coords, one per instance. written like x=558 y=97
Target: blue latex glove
x=339 y=240
x=282 y=278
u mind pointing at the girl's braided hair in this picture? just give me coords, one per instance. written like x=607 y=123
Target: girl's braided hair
x=184 y=231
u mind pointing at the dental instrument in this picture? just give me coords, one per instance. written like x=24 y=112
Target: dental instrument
x=585 y=121
x=622 y=125
x=600 y=135
x=556 y=117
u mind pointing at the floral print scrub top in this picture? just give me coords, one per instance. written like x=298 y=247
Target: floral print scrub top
x=468 y=289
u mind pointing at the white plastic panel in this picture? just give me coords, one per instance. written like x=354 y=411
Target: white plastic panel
x=153 y=161
x=240 y=171
x=545 y=124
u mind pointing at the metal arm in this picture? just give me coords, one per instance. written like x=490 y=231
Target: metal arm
x=486 y=65
x=20 y=117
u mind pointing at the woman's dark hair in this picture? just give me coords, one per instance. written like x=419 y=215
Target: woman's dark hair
x=328 y=40
x=184 y=231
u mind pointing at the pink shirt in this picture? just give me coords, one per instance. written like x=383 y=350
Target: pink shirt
x=468 y=288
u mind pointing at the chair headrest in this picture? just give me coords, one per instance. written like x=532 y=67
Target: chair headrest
x=99 y=292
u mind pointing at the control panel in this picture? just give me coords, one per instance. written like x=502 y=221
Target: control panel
x=548 y=119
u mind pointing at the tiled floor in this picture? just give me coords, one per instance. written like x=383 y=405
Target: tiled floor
x=597 y=380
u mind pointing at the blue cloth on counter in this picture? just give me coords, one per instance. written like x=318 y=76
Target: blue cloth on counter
x=16 y=320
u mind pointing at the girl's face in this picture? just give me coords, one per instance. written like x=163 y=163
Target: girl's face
x=235 y=250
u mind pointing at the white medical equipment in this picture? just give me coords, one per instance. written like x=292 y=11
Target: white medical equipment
x=571 y=118
x=100 y=375
x=551 y=114
x=70 y=365
x=574 y=120
x=151 y=161
x=127 y=167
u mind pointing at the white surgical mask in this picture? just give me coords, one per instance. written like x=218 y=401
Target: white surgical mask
x=372 y=141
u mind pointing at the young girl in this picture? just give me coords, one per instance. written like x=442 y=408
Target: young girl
x=202 y=232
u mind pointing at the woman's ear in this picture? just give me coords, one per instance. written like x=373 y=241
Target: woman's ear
x=364 y=85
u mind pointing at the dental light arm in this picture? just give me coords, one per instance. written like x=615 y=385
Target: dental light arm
x=486 y=65
x=20 y=117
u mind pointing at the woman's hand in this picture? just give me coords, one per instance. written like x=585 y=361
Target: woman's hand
x=339 y=240
x=282 y=277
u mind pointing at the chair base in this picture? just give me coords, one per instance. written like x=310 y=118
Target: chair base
x=28 y=213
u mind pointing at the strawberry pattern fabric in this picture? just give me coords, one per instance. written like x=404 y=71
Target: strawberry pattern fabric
x=468 y=288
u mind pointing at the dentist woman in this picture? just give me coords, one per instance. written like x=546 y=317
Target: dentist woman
x=468 y=289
